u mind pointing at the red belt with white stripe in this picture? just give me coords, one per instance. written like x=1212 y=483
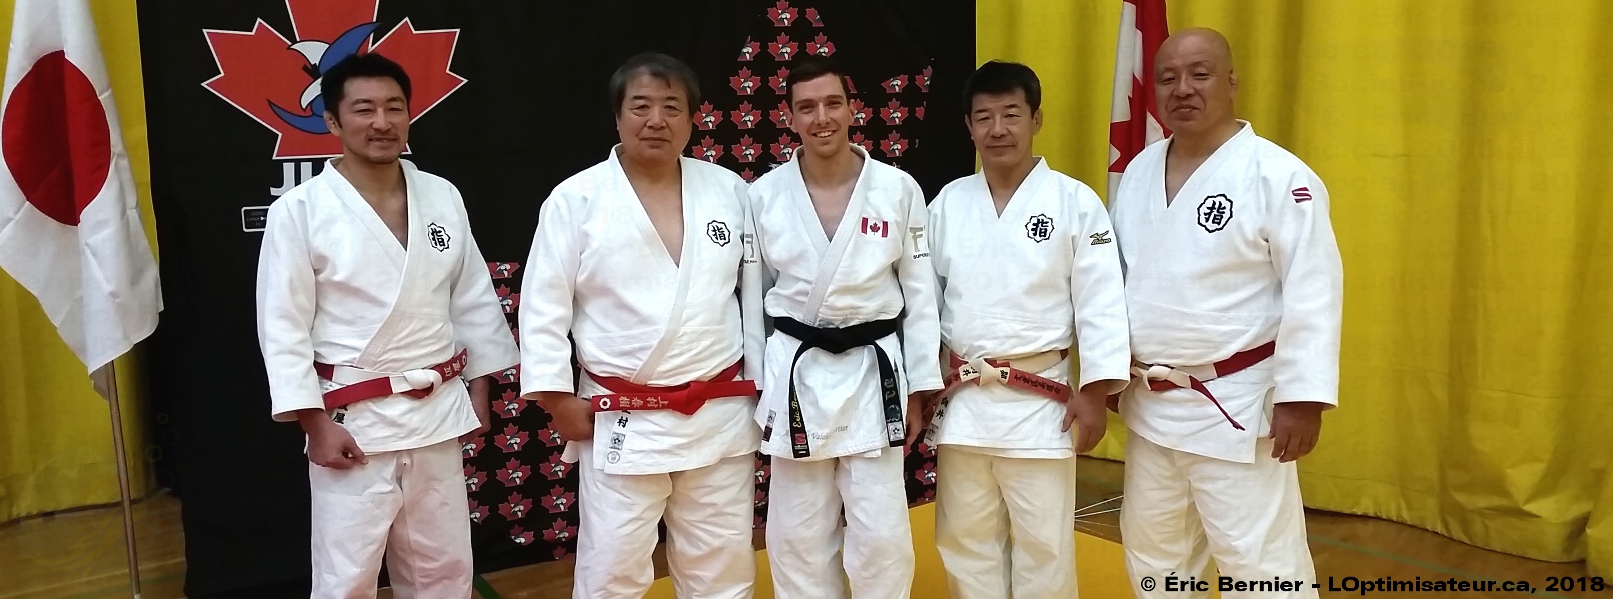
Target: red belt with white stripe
x=685 y=399
x=359 y=385
x=1013 y=373
x=1165 y=378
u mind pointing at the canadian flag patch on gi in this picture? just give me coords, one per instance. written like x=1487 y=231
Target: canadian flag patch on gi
x=878 y=227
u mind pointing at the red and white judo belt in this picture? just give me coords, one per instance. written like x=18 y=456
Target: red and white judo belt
x=1164 y=378
x=358 y=385
x=1016 y=373
x=684 y=399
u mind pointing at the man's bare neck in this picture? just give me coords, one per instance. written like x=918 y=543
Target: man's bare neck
x=1003 y=182
x=658 y=175
x=373 y=181
x=1201 y=146
x=838 y=169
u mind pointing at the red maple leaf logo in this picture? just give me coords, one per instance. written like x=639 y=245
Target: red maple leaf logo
x=514 y=473
x=510 y=300
x=555 y=469
x=867 y=144
x=474 y=479
x=860 y=114
x=812 y=15
x=777 y=81
x=746 y=116
x=749 y=51
x=747 y=149
x=558 y=500
x=923 y=80
x=926 y=474
x=782 y=48
x=478 y=513
x=785 y=147
x=560 y=552
x=893 y=145
x=513 y=439
x=781 y=116
x=781 y=14
x=521 y=537
x=820 y=46
x=275 y=80
x=708 y=117
x=851 y=88
x=893 y=113
x=895 y=84
x=744 y=83
x=502 y=270
x=748 y=175
x=510 y=405
x=510 y=375
x=764 y=472
x=470 y=449
x=550 y=437
x=561 y=532
x=919 y=112
x=761 y=499
x=708 y=150
x=515 y=507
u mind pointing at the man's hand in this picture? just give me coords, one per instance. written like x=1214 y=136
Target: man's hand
x=918 y=415
x=478 y=403
x=329 y=445
x=1085 y=411
x=571 y=416
x=1295 y=428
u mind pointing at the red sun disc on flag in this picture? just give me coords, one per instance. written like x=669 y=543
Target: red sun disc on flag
x=55 y=138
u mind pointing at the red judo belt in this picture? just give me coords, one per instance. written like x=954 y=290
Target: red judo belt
x=988 y=370
x=1165 y=378
x=415 y=383
x=684 y=399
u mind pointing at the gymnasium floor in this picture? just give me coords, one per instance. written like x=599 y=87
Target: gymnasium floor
x=79 y=555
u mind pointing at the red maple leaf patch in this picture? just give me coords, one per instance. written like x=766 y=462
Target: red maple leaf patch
x=820 y=46
x=781 y=14
x=746 y=117
x=782 y=48
x=260 y=70
x=747 y=149
x=744 y=83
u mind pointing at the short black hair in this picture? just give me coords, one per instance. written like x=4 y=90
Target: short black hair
x=333 y=84
x=659 y=66
x=812 y=67
x=1000 y=77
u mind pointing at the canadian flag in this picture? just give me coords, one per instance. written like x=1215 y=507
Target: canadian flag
x=70 y=229
x=1134 y=117
x=877 y=227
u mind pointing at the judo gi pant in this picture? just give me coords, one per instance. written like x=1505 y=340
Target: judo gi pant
x=1180 y=509
x=804 y=532
x=409 y=505
x=1005 y=527
x=710 y=515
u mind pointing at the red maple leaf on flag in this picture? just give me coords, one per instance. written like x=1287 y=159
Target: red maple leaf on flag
x=812 y=15
x=561 y=532
x=820 y=46
x=708 y=117
x=515 y=508
x=747 y=149
x=781 y=14
x=512 y=439
x=782 y=48
x=777 y=81
x=708 y=150
x=860 y=114
x=893 y=145
x=785 y=147
x=780 y=116
x=893 y=113
x=895 y=84
x=867 y=144
x=748 y=52
x=923 y=80
x=273 y=79
x=514 y=473
x=746 y=116
x=744 y=83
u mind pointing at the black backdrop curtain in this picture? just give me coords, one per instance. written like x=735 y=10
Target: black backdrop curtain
x=514 y=100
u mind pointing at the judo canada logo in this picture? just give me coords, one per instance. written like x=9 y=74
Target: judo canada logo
x=276 y=80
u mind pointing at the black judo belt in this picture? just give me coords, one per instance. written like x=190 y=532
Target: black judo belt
x=839 y=341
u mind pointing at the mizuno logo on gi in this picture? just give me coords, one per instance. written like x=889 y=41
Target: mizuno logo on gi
x=1039 y=228
x=439 y=236
x=718 y=232
x=1301 y=195
x=1101 y=238
x=880 y=228
x=1215 y=212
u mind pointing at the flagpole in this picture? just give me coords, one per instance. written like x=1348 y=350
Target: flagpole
x=123 y=479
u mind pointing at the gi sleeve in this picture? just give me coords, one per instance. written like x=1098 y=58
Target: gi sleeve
x=547 y=291
x=755 y=279
x=921 y=325
x=477 y=313
x=1098 y=295
x=1305 y=255
x=286 y=297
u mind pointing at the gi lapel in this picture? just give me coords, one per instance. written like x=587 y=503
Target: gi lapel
x=689 y=262
x=836 y=252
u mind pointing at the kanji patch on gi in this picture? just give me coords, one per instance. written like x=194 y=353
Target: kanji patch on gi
x=1215 y=212
x=717 y=231
x=1039 y=228
x=438 y=236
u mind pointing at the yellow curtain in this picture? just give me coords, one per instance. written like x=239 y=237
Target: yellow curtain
x=55 y=431
x=1462 y=143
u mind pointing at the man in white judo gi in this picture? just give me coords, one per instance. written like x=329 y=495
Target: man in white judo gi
x=1027 y=264
x=373 y=302
x=1234 y=291
x=847 y=268
x=638 y=259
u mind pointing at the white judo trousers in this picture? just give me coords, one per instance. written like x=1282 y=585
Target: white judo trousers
x=1005 y=526
x=1181 y=509
x=709 y=517
x=414 y=501
x=804 y=530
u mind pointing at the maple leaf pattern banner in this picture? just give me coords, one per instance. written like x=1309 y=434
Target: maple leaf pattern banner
x=510 y=98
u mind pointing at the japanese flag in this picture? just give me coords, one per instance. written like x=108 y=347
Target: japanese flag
x=70 y=229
